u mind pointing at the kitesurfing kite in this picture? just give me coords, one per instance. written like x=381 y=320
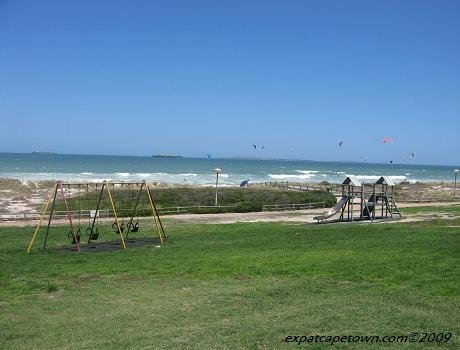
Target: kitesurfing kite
x=412 y=155
x=341 y=143
x=255 y=147
x=387 y=140
x=391 y=162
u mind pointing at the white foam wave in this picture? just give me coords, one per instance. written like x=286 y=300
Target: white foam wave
x=209 y=178
x=290 y=176
x=308 y=172
x=398 y=178
x=100 y=179
x=372 y=178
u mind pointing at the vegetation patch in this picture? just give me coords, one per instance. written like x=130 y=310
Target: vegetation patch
x=202 y=199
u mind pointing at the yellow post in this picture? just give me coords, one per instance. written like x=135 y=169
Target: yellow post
x=155 y=213
x=116 y=217
x=41 y=219
x=69 y=216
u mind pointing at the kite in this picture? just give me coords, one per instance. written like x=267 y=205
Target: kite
x=341 y=143
x=412 y=155
x=387 y=140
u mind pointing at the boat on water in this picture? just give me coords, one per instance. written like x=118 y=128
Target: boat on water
x=42 y=152
x=166 y=156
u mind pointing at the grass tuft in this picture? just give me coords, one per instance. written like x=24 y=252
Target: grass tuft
x=51 y=288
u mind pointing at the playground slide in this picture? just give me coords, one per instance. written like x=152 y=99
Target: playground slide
x=340 y=204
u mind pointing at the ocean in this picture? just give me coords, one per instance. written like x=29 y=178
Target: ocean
x=199 y=171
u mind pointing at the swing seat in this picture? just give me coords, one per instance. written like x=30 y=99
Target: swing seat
x=93 y=235
x=115 y=228
x=133 y=227
x=73 y=239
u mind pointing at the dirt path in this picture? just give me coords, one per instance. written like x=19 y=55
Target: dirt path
x=300 y=216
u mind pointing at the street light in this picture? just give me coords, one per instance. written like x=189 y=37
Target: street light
x=455 y=181
x=217 y=171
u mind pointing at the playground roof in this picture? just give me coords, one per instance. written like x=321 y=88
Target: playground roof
x=385 y=180
x=351 y=180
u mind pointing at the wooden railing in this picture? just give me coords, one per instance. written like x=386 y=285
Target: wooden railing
x=106 y=213
x=296 y=186
x=404 y=199
x=293 y=206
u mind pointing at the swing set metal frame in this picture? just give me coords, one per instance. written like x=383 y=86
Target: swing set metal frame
x=105 y=186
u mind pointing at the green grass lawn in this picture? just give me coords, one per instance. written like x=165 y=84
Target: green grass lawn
x=236 y=286
x=453 y=209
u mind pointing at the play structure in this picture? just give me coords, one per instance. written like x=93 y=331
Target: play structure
x=83 y=206
x=379 y=205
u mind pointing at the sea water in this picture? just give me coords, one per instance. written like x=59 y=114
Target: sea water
x=199 y=171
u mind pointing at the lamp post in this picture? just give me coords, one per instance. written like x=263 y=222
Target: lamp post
x=217 y=171
x=455 y=180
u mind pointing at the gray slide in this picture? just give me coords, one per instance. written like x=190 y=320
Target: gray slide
x=340 y=204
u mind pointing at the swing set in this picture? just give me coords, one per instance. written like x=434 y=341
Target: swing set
x=75 y=196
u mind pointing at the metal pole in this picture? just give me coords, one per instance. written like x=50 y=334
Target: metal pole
x=455 y=182
x=51 y=216
x=156 y=216
x=116 y=217
x=135 y=207
x=97 y=210
x=41 y=218
x=217 y=180
x=69 y=216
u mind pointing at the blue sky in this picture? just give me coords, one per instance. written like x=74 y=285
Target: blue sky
x=197 y=77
